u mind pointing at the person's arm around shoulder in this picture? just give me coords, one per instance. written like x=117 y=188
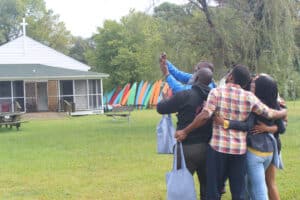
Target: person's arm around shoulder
x=234 y=124
x=172 y=104
x=201 y=118
x=279 y=127
x=261 y=127
x=261 y=109
x=279 y=123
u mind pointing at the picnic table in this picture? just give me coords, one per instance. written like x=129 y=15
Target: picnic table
x=120 y=111
x=10 y=119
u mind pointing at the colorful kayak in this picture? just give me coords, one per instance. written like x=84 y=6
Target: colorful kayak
x=111 y=101
x=147 y=96
x=142 y=93
x=152 y=94
x=117 y=100
x=156 y=93
x=125 y=95
x=132 y=93
x=108 y=96
x=138 y=92
x=146 y=93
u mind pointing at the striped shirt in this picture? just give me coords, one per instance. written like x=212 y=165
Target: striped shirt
x=233 y=103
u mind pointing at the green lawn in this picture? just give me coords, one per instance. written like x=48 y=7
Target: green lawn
x=94 y=157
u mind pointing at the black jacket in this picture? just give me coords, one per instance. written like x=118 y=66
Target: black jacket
x=188 y=104
x=261 y=142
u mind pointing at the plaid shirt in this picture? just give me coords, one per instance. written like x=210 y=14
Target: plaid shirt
x=233 y=103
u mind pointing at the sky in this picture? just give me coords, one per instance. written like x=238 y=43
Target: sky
x=82 y=17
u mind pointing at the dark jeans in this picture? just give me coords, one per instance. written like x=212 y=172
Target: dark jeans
x=221 y=166
x=195 y=159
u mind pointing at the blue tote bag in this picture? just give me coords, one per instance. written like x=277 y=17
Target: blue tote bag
x=180 y=182
x=165 y=135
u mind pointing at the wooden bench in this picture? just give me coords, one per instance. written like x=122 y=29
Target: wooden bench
x=121 y=111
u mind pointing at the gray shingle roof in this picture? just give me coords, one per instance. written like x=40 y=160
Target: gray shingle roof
x=43 y=72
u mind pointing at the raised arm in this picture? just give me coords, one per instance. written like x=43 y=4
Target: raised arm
x=175 y=85
x=179 y=75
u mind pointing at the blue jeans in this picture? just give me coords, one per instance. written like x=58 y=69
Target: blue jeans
x=256 y=184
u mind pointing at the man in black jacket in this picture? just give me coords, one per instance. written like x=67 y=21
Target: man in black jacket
x=188 y=104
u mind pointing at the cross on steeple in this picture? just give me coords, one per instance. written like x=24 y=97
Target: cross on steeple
x=24 y=24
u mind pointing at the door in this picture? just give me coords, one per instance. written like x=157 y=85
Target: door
x=42 y=96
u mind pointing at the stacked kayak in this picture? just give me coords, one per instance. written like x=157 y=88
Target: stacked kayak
x=143 y=94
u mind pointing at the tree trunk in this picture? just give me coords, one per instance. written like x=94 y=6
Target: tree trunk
x=218 y=53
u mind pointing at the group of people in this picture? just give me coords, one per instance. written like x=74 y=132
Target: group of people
x=228 y=132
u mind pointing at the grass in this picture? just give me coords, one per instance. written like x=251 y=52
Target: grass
x=94 y=157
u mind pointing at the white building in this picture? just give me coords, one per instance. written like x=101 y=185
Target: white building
x=40 y=78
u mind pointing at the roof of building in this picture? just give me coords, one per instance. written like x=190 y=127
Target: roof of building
x=25 y=50
x=11 y=72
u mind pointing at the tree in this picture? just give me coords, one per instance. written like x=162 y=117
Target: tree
x=9 y=16
x=125 y=50
x=218 y=54
x=258 y=33
x=50 y=31
x=178 y=30
x=79 y=49
x=44 y=25
x=273 y=47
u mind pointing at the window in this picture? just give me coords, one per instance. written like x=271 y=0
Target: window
x=5 y=89
x=98 y=86
x=92 y=86
x=31 y=104
x=18 y=89
x=86 y=94
x=11 y=94
x=95 y=94
x=66 y=88
x=66 y=92
x=81 y=95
